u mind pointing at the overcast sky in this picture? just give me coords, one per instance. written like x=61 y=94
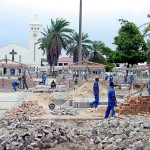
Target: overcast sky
x=100 y=17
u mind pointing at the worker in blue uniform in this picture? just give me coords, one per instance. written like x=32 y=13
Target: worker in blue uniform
x=111 y=101
x=95 y=92
x=131 y=79
x=125 y=79
x=15 y=84
x=148 y=88
x=44 y=78
x=110 y=78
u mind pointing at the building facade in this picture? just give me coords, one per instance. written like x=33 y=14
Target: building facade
x=30 y=55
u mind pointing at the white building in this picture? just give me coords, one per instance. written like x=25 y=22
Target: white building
x=28 y=55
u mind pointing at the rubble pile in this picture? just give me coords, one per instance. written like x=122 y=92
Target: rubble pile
x=28 y=107
x=66 y=111
x=135 y=105
x=130 y=133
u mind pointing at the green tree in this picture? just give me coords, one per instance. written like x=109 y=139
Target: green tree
x=55 y=39
x=96 y=55
x=73 y=48
x=131 y=47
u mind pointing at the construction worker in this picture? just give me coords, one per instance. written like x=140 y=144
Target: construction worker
x=125 y=79
x=15 y=84
x=95 y=92
x=76 y=82
x=111 y=101
x=148 y=88
x=110 y=78
x=24 y=81
x=44 y=78
x=131 y=79
x=53 y=84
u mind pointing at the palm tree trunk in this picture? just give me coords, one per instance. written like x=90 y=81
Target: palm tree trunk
x=80 y=32
x=53 y=68
x=50 y=70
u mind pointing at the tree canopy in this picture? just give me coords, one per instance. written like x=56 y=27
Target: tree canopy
x=73 y=47
x=95 y=55
x=131 y=47
x=55 y=38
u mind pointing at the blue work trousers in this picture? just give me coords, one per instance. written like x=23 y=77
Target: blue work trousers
x=96 y=101
x=108 y=109
x=149 y=92
x=44 y=81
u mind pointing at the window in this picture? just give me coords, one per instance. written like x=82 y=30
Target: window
x=60 y=64
x=37 y=28
x=65 y=63
x=32 y=28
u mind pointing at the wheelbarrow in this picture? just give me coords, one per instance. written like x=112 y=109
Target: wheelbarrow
x=56 y=102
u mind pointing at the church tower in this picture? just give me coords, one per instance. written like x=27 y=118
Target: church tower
x=34 y=54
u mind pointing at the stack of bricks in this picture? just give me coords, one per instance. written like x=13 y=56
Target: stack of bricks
x=135 y=105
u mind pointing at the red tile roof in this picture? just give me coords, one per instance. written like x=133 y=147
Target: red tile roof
x=66 y=59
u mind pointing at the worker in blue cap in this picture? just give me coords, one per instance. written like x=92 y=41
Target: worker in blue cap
x=15 y=84
x=148 y=88
x=95 y=92
x=111 y=101
x=110 y=78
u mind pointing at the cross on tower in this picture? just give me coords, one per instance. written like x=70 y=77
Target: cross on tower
x=13 y=54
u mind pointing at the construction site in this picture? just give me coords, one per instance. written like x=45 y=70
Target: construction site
x=61 y=118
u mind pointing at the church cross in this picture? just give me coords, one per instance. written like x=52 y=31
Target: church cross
x=13 y=54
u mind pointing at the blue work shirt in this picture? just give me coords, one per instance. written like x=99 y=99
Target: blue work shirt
x=148 y=87
x=15 y=83
x=111 y=94
x=131 y=78
x=95 y=88
x=110 y=79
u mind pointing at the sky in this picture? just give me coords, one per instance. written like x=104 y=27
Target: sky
x=100 y=17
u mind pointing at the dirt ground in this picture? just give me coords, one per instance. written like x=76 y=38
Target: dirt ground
x=85 y=91
x=85 y=113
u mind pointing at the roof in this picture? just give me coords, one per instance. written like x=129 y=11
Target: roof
x=65 y=59
x=85 y=65
x=12 y=64
x=13 y=44
x=145 y=67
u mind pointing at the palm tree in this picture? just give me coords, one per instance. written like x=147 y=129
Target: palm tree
x=73 y=48
x=146 y=32
x=55 y=39
x=95 y=55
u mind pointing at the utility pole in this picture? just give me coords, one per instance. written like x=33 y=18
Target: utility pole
x=80 y=32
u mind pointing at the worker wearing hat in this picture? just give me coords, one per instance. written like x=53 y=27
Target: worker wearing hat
x=95 y=92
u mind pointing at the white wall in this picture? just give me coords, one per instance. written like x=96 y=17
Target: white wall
x=5 y=50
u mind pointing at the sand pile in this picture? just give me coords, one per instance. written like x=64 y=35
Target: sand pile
x=28 y=107
x=86 y=90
